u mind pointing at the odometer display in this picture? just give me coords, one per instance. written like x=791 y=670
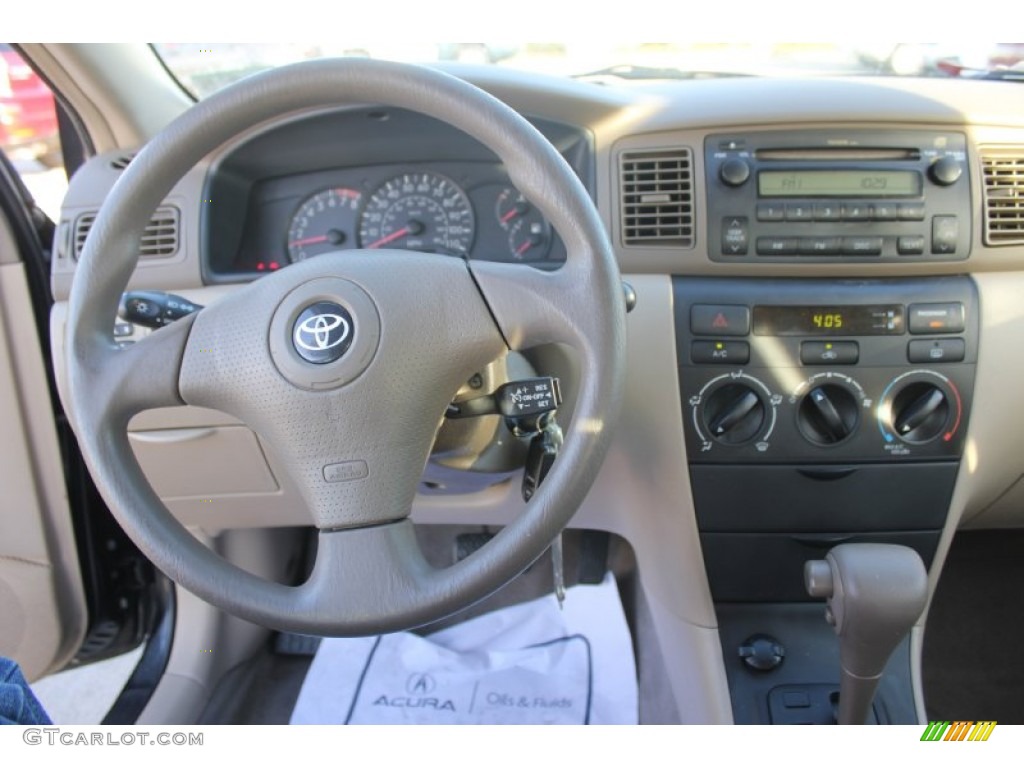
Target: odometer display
x=420 y=212
x=861 y=320
x=847 y=183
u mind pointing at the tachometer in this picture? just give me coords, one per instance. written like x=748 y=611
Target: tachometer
x=323 y=222
x=421 y=212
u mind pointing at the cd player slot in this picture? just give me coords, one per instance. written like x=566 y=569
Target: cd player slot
x=837 y=153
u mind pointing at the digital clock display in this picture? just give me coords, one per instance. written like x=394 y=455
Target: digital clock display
x=839 y=183
x=860 y=320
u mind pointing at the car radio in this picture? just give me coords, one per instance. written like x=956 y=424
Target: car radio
x=830 y=195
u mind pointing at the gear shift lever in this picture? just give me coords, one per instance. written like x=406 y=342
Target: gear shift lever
x=875 y=594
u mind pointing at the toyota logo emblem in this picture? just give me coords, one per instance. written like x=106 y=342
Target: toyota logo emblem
x=322 y=332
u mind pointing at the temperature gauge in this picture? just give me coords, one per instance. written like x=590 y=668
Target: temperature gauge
x=529 y=234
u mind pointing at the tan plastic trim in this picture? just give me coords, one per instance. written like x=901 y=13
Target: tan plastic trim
x=120 y=92
x=40 y=582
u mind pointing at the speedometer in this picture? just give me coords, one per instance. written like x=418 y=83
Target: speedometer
x=421 y=212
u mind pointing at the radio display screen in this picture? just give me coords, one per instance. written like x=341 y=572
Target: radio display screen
x=863 y=320
x=847 y=183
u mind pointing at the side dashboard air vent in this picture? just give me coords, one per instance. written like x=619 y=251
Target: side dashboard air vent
x=657 y=197
x=121 y=162
x=1004 y=196
x=159 y=240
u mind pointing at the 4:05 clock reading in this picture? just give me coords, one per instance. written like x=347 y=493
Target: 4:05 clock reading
x=827 y=320
x=852 y=320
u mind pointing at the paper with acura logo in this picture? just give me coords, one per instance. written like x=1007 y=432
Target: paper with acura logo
x=527 y=664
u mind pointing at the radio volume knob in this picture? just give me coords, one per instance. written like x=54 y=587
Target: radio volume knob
x=945 y=171
x=734 y=172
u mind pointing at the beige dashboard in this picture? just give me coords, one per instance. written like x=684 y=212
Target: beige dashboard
x=215 y=474
x=175 y=447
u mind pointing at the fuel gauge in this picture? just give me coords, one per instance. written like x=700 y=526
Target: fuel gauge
x=529 y=234
x=529 y=238
x=511 y=206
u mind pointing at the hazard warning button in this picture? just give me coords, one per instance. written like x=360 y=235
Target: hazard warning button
x=719 y=320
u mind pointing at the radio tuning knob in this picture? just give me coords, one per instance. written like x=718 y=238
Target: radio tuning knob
x=945 y=171
x=734 y=172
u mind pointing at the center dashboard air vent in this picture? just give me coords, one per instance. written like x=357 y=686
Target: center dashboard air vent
x=159 y=239
x=657 y=197
x=1004 y=195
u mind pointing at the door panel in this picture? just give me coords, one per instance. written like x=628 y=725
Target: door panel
x=41 y=596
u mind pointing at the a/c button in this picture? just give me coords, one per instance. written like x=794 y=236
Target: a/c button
x=720 y=352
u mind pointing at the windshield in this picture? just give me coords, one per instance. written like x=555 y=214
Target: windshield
x=206 y=67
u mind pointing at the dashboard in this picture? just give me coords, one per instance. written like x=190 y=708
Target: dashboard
x=825 y=344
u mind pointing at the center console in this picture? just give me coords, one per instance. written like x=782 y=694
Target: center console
x=817 y=412
x=820 y=412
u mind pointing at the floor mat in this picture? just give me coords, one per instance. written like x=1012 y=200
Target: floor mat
x=526 y=664
x=972 y=665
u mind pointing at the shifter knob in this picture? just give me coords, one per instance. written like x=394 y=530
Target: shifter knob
x=875 y=594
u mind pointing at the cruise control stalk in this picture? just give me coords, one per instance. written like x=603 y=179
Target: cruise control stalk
x=154 y=309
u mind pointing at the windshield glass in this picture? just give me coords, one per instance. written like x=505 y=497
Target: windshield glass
x=206 y=67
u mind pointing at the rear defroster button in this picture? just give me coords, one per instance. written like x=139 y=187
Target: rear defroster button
x=936 y=350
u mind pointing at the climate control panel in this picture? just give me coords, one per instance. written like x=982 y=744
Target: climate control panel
x=782 y=371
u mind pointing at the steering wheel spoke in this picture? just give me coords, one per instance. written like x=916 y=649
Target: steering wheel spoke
x=133 y=378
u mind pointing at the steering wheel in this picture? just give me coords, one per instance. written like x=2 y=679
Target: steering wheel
x=345 y=363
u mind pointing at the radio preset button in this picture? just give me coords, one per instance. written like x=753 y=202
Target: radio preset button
x=910 y=245
x=829 y=352
x=936 y=318
x=771 y=212
x=885 y=211
x=862 y=246
x=719 y=320
x=819 y=246
x=720 y=353
x=777 y=246
x=856 y=212
x=826 y=212
x=911 y=211
x=799 y=212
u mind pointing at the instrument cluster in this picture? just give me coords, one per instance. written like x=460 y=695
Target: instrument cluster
x=465 y=209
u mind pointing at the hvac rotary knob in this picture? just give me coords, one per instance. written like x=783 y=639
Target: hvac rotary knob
x=734 y=414
x=828 y=414
x=920 y=412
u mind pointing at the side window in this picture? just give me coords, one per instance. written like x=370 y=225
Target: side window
x=28 y=131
